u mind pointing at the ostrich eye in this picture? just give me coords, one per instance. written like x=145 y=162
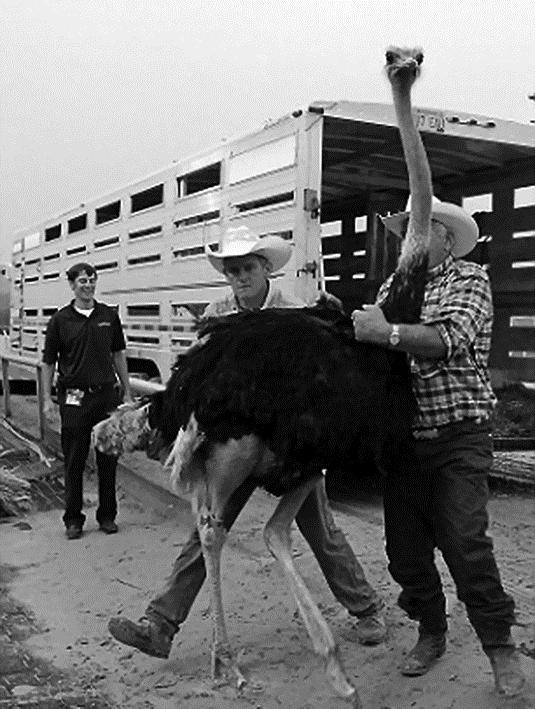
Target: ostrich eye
x=390 y=57
x=419 y=58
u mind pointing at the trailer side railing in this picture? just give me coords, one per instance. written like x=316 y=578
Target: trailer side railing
x=138 y=387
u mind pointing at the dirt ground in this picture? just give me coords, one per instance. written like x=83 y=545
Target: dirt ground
x=71 y=588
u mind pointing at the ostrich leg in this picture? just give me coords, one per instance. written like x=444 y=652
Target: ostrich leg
x=277 y=536
x=213 y=534
x=222 y=471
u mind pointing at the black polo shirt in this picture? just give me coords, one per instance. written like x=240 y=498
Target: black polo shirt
x=83 y=346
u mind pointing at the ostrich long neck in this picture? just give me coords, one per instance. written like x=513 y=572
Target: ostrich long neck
x=405 y=298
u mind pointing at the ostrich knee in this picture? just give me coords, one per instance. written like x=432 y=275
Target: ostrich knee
x=212 y=532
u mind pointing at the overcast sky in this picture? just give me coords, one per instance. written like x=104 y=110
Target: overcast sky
x=95 y=93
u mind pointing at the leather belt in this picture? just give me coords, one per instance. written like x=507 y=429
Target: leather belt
x=426 y=433
x=95 y=388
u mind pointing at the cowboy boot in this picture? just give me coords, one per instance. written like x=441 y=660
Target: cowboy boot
x=428 y=649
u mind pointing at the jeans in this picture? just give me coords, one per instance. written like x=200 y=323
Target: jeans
x=343 y=573
x=76 y=425
x=437 y=498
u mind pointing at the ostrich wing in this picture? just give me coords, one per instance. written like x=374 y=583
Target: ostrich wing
x=298 y=381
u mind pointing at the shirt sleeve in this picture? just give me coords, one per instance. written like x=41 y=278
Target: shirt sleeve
x=52 y=340
x=210 y=311
x=383 y=290
x=463 y=309
x=118 y=342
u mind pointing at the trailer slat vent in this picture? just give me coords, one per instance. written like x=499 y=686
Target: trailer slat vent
x=150 y=231
x=144 y=260
x=192 y=251
x=109 y=241
x=198 y=219
x=143 y=310
x=53 y=232
x=199 y=180
x=108 y=212
x=108 y=266
x=282 y=198
x=77 y=223
x=77 y=250
x=143 y=340
x=147 y=198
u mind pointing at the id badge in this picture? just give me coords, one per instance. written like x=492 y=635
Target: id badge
x=74 y=397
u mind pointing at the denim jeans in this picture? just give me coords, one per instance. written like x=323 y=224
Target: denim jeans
x=76 y=425
x=437 y=498
x=343 y=573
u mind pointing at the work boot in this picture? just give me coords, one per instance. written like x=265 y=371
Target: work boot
x=73 y=531
x=371 y=629
x=430 y=647
x=108 y=527
x=508 y=676
x=145 y=635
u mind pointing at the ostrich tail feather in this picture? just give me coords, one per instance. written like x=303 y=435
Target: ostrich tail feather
x=186 y=443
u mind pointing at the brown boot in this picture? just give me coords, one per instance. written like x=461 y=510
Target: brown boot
x=146 y=635
x=371 y=629
x=429 y=648
x=508 y=676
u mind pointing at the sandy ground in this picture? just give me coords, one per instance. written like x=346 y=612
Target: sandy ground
x=73 y=587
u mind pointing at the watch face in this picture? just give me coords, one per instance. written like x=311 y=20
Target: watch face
x=394 y=338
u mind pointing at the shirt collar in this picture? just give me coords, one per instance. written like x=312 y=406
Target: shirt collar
x=441 y=268
x=74 y=307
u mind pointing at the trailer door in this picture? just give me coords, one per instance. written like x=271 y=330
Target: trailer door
x=308 y=202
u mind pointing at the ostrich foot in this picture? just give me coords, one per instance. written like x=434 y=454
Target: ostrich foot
x=338 y=679
x=223 y=664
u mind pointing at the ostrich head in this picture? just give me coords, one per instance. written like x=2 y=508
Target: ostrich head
x=404 y=62
x=406 y=294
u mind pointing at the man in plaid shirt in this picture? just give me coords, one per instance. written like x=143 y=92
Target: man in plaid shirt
x=437 y=493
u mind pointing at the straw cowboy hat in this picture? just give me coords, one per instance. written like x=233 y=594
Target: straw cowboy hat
x=241 y=241
x=456 y=219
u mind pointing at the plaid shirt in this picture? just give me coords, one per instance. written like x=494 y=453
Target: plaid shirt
x=458 y=302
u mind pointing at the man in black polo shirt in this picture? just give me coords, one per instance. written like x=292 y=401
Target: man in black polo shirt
x=86 y=339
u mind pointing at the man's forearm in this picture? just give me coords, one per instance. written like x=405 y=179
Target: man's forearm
x=422 y=341
x=121 y=367
x=48 y=377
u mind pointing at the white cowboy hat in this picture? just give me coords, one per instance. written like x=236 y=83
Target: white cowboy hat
x=456 y=219
x=241 y=241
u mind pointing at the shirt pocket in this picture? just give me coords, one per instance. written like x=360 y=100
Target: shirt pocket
x=426 y=368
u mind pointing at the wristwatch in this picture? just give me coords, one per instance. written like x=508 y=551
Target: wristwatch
x=393 y=339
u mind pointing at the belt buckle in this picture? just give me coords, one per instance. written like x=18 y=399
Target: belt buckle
x=426 y=434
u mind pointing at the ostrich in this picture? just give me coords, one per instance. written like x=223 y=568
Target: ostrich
x=283 y=395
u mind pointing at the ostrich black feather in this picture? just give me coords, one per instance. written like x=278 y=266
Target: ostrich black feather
x=297 y=379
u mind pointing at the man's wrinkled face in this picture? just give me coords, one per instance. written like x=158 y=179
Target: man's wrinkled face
x=84 y=286
x=440 y=244
x=247 y=275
